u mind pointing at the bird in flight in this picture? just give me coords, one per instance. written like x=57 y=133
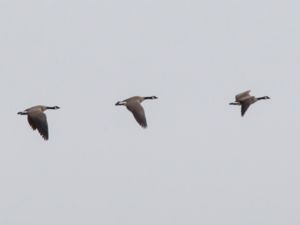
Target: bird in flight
x=37 y=118
x=133 y=104
x=244 y=99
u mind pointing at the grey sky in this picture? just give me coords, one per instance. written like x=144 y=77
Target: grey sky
x=199 y=162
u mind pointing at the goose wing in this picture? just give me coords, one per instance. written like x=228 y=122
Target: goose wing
x=31 y=123
x=138 y=112
x=244 y=108
x=246 y=102
x=242 y=96
x=38 y=120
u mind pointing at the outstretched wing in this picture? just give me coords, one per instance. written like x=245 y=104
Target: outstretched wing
x=244 y=108
x=31 y=122
x=38 y=120
x=138 y=112
x=242 y=96
x=246 y=102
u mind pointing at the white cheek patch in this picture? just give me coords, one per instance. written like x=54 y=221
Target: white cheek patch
x=123 y=103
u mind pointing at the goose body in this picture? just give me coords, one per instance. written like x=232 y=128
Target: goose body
x=37 y=118
x=133 y=104
x=244 y=99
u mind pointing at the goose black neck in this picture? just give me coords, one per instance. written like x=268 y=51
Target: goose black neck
x=150 y=97
x=263 y=98
x=52 y=107
x=22 y=113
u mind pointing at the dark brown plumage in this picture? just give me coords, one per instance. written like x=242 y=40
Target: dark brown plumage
x=37 y=119
x=133 y=104
x=244 y=99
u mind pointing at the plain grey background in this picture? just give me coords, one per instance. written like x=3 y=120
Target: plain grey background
x=199 y=162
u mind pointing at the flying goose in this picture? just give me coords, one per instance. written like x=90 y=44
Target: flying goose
x=245 y=100
x=133 y=104
x=37 y=118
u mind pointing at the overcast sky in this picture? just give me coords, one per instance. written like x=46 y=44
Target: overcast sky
x=199 y=162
